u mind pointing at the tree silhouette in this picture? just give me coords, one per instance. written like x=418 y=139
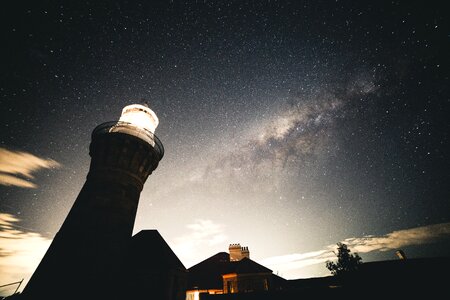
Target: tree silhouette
x=346 y=262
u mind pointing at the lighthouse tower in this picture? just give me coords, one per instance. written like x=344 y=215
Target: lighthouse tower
x=87 y=252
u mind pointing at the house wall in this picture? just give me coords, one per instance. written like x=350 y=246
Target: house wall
x=244 y=283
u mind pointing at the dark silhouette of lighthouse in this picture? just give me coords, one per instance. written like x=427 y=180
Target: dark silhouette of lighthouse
x=91 y=246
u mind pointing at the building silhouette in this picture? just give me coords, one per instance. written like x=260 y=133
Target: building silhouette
x=94 y=247
x=152 y=270
x=234 y=276
x=230 y=273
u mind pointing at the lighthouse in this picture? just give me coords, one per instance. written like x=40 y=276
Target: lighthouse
x=93 y=242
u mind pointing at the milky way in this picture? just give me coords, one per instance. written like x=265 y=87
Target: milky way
x=288 y=126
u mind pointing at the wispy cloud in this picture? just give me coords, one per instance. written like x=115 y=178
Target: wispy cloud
x=20 y=250
x=16 y=163
x=298 y=260
x=400 y=238
x=391 y=241
x=201 y=234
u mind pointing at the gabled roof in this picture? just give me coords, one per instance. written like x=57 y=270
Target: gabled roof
x=149 y=247
x=208 y=273
x=246 y=266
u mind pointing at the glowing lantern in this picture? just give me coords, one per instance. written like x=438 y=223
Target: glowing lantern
x=140 y=116
x=137 y=120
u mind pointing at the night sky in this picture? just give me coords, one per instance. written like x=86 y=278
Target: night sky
x=288 y=126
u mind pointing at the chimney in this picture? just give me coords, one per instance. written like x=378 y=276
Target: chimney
x=245 y=252
x=237 y=252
